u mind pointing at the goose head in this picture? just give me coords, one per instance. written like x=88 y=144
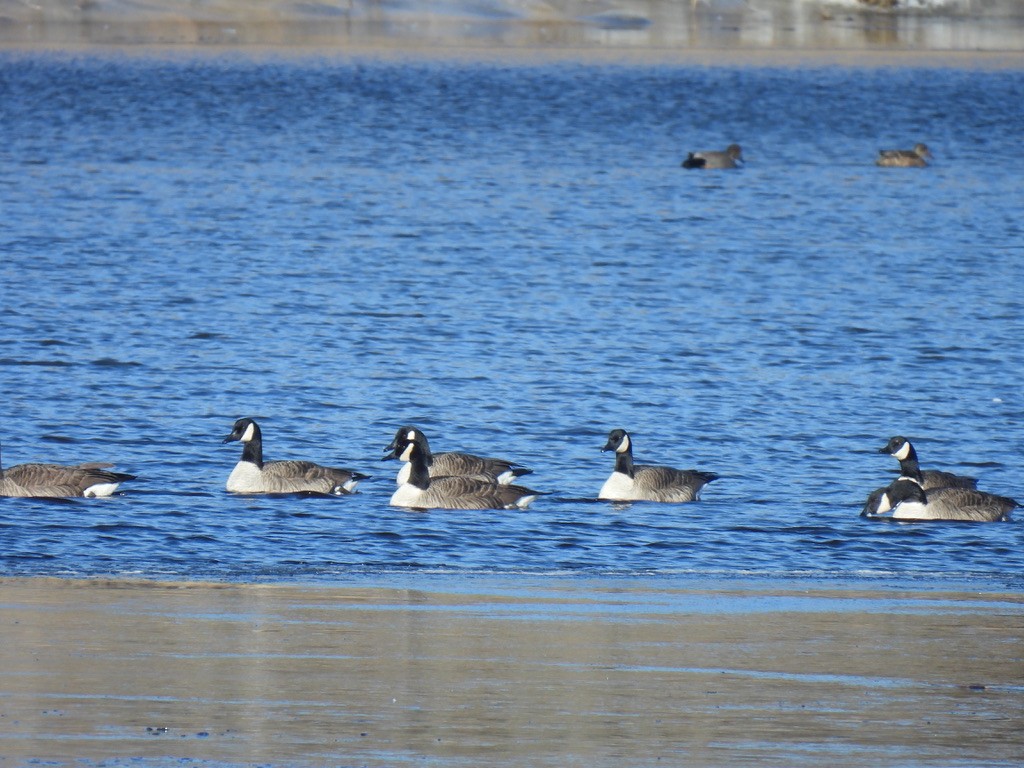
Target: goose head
x=618 y=441
x=899 y=447
x=245 y=431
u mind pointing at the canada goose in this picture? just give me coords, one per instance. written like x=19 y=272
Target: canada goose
x=59 y=481
x=873 y=502
x=903 y=451
x=732 y=157
x=637 y=482
x=254 y=475
x=904 y=158
x=422 y=491
x=453 y=463
x=906 y=500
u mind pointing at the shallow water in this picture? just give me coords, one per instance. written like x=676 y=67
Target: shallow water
x=549 y=673
x=511 y=258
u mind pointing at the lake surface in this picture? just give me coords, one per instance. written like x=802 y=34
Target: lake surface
x=511 y=258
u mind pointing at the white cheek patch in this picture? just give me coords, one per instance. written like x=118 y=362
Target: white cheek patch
x=884 y=504
x=903 y=452
x=411 y=435
x=249 y=432
x=407 y=453
x=624 y=445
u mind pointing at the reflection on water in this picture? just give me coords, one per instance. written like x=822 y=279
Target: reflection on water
x=619 y=25
x=546 y=675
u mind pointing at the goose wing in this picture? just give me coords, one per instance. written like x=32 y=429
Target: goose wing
x=57 y=480
x=670 y=484
x=451 y=463
x=967 y=504
x=465 y=492
x=934 y=479
x=293 y=476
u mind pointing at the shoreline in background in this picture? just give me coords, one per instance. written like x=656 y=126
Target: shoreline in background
x=775 y=32
x=554 y=674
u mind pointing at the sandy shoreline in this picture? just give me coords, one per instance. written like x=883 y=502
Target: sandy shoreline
x=556 y=674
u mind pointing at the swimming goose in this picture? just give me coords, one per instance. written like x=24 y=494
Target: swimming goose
x=60 y=481
x=732 y=157
x=422 y=491
x=903 y=451
x=453 y=463
x=638 y=482
x=906 y=500
x=904 y=158
x=254 y=475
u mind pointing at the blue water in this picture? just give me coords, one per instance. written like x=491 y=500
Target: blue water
x=511 y=258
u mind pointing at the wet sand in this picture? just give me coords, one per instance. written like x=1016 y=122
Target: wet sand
x=558 y=673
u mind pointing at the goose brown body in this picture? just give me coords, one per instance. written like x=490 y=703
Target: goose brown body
x=906 y=500
x=732 y=157
x=917 y=157
x=60 y=481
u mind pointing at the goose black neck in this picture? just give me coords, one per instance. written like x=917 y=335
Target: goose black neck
x=909 y=468
x=252 y=451
x=419 y=474
x=428 y=457
x=624 y=461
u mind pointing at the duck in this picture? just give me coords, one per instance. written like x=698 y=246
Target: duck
x=254 y=475
x=903 y=451
x=423 y=491
x=57 y=481
x=917 y=157
x=906 y=500
x=639 y=482
x=732 y=157
x=453 y=463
